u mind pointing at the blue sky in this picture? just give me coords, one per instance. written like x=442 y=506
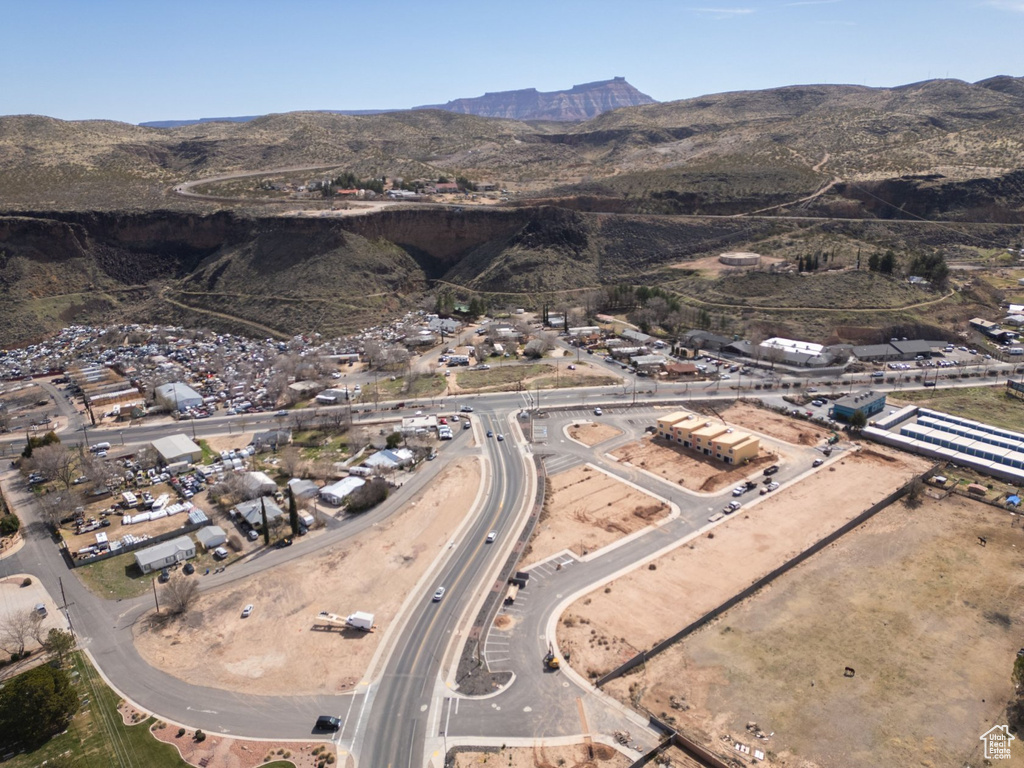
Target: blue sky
x=144 y=60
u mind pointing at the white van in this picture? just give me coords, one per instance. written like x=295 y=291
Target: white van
x=96 y=448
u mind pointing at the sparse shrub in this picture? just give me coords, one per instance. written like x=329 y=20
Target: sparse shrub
x=181 y=732
x=27 y=581
x=652 y=567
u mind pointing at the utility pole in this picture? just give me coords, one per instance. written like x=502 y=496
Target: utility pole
x=157 y=601
x=64 y=607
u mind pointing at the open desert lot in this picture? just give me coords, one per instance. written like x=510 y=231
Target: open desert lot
x=772 y=424
x=686 y=467
x=929 y=620
x=276 y=650
x=607 y=626
x=593 y=433
x=588 y=509
x=570 y=756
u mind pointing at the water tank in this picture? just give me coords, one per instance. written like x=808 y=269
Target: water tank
x=740 y=259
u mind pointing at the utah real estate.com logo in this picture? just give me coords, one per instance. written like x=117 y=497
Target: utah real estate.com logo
x=997 y=742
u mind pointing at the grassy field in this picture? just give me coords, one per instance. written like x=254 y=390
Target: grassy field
x=503 y=376
x=562 y=382
x=402 y=386
x=988 y=404
x=116 y=578
x=97 y=737
x=209 y=455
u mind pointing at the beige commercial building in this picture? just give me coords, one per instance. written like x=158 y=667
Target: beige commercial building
x=689 y=430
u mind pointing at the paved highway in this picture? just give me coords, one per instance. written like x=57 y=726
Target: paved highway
x=389 y=722
x=397 y=724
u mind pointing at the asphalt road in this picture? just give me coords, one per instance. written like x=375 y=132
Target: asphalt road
x=397 y=723
x=407 y=707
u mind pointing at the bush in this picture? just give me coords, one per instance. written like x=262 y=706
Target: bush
x=368 y=495
x=9 y=525
x=200 y=736
x=27 y=581
x=181 y=732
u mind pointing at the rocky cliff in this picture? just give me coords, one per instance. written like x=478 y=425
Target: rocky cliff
x=581 y=102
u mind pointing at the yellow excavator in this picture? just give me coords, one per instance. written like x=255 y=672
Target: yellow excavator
x=550 y=660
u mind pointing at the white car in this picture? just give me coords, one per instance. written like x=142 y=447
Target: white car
x=491 y=537
x=597 y=411
x=438 y=595
x=247 y=611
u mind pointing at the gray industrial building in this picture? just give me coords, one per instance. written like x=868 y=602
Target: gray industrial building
x=178 y=396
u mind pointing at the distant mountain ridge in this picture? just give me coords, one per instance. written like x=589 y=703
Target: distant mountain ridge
x=581 y=102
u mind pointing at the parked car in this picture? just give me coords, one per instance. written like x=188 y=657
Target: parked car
x=771 y=470
x=165 y=576
x=327 y=723
x=253 y=534
x=817 y=462
x=247 y=611
x=597 y=411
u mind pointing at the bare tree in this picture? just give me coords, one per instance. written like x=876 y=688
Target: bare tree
x=179 y=595
x=55 y=462
x=16 y=630
x=291 y=461
x=59 y=506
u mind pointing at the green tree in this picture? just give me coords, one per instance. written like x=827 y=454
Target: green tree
x=59 y=643
x=393 y=440
x=858 y=420
x=34 y=706
x=293 y=512
x=263 y=515
x=873 y=260
x=887 y=265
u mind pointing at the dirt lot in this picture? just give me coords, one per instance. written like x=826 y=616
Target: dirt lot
x=373 y=571
x=572 y=756
x=785 y=428
x=929 y=620
x=593 y=433
x=688 y=468
x=602 y=633
x=712 y=267
x=587 y=510
x=115 y=530
x=511 y=376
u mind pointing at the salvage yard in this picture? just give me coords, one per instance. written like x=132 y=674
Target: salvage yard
x=923 y=619
x=373 y=571
x=588 y=509
x=685 y=583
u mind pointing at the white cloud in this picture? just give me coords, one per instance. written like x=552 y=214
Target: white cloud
x=723 y=13
x=1007 y=5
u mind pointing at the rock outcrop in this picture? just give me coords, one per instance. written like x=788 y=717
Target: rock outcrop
x=581 y=102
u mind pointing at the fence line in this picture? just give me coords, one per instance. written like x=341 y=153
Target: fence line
x=765 y=580
x=74 y=562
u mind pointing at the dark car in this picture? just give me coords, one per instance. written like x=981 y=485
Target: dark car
x=165 y=576
x=771 y=470
x=327 y=723
x=188 y=569
x=285 y=542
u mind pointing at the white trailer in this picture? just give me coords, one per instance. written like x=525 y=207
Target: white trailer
x=358 y=620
